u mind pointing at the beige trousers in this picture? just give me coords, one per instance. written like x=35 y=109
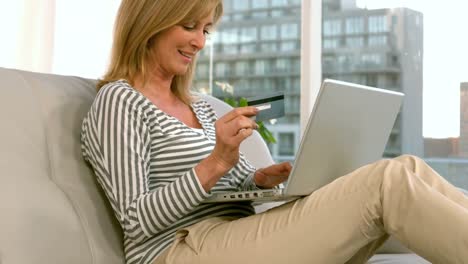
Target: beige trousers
x=343 y=222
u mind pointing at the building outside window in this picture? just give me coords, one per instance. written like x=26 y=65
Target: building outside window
x=331 y=43
x=331 y=27
x=248 y=34
x=259 y=4
x=400 y=42
x=269 y=32
x=377 y=24
x=354 y=42
x=378 y=40
x=279 y=3
x=354 y=25
x=380 y=47
x=289 y=31
x=240 y=5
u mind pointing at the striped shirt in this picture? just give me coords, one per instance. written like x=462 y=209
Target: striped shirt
x=144 y=160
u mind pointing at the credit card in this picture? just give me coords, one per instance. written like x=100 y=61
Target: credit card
x=270 y=106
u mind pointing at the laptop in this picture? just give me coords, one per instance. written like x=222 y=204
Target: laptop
x=348 y=128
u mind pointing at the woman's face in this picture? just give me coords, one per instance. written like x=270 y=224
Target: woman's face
x=174 y=49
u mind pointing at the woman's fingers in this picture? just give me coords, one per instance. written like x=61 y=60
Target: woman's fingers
x=242 y=135
x=231 y=130
x=239 y=124
x=236 y=121
x=286 y=168
x=247 y=111
x=280 y=169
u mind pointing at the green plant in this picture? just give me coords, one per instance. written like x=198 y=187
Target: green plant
x=262 y=129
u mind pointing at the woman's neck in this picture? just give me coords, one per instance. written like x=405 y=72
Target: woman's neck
x=154 y=86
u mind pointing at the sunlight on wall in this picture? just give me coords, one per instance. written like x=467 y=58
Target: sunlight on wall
x=83 y=36
x=27 y=34
x=9 y=24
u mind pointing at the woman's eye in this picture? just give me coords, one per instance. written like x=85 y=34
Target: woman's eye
x=206 y=32
x=190 y=26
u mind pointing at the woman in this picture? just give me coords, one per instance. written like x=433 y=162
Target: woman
x=158 y=152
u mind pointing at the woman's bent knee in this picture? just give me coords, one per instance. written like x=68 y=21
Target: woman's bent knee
x=391 y=172
x=409 y=160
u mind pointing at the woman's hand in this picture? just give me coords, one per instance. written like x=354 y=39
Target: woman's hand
x=273 y=175
x=231 y=130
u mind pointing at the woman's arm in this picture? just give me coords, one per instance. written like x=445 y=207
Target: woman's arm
x=231 y=130
x=117 y=144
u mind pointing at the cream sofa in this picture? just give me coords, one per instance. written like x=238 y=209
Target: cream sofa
x=52 y=210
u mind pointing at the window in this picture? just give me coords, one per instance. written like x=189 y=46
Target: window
x=371 y=59
x=257 y=56
x=240 y=5
x=332 y=27
x=229 y=36
x=242 y=68
x=331 y=43
x=260 y=14
x=269 y=47
x=392 y=45
x=202 y=70
x=377 y=40
x=269 y=32
x=288 y=46
x=248 y=34
x=354 y=25
x=289 y=31
x=286 y=147
x=248 y=48
x=221 y=69
x=282 y=65
x=227 y=49
x=278 y=3
x=377 y=24
x=259 y=4
x=354 y=42
x=260 y=67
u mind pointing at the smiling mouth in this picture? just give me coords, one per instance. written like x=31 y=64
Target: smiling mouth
x=188 y=56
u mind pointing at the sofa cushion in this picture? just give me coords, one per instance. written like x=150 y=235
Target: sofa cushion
x=52 y=209
x=397 y=259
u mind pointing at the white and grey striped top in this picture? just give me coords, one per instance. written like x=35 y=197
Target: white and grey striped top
x=144 y=160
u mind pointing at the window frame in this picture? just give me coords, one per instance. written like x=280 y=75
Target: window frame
x=311 y=54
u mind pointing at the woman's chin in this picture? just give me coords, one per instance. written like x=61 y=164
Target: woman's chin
x=181 y=71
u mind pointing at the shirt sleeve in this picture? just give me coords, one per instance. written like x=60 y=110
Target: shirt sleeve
x=121 y=154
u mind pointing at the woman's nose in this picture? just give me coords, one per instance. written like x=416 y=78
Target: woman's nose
x=198 y=40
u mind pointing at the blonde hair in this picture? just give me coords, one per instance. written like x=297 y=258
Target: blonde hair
x=138 y=22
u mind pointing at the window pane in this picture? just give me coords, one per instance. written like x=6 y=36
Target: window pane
x=248 y=34
x=259 y=4
x=354 y=25
x=240 y=5
x=377 y=24
x=396 y=45
x=279 y=3
x=377 y=40
x=354 y=42
x=269 y=32
x=258 y=52
x=289 y=30
x=286 y=144
x=331 y=27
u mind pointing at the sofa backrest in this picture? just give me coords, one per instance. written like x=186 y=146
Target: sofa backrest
x=52 y=210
